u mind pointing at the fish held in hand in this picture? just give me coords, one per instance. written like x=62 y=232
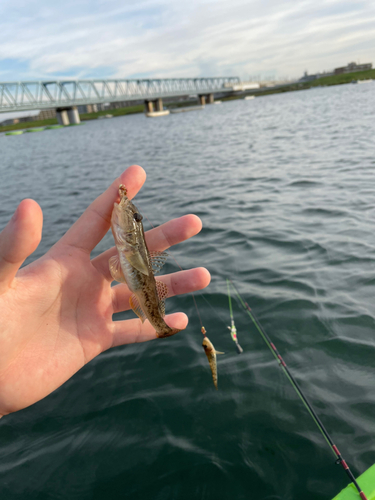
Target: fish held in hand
x=135 y=265
x=211 y=352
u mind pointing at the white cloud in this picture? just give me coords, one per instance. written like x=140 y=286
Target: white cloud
x=165 y=38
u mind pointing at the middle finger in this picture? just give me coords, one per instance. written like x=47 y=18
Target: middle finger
x=158 y=239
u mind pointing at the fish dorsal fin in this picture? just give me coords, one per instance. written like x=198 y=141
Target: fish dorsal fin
x=162 y=291
x=134 y=304
x=158 y=260
x=115 y=269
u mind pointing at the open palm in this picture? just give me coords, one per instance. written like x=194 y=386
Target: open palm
x=56 y=313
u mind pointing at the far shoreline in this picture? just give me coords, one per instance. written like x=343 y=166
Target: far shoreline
x=325 y=81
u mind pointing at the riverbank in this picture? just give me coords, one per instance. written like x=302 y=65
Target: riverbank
x=129 y=110
x=84 y=117
x=325 y=81
x=319 y=82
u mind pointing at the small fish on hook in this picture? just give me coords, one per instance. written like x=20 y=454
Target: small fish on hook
x=211 y=352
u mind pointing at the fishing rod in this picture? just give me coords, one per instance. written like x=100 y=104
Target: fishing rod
x=339 y=458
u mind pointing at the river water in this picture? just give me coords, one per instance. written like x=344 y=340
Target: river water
x=285 y=187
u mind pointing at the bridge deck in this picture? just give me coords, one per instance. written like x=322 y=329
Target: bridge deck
x=25 y=96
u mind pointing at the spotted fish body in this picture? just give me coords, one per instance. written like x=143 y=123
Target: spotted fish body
x=211 y=352
x=135 y=265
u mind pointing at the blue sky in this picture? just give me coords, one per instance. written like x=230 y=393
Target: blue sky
x=42 y=39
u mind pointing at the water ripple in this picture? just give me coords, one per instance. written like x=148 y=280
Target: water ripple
x=284 y=187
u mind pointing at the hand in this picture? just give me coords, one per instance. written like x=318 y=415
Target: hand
x=56 y=313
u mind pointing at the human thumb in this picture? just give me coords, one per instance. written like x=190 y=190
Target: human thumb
x=19 y=239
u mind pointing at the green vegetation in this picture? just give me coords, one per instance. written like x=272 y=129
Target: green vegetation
x=39 y=129
x=344 y=78
x=319 y=82
x=35 y=124
x=182 y=104
x=114 y=112
x=85 y=116
x=14 y=132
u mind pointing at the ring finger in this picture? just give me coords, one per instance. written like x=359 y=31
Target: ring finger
x=177 y=283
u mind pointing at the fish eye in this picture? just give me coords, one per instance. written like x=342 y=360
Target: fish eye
x=137 y=217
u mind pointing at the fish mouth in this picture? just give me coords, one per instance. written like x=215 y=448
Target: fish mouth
x=125 y=207
x=122 y=190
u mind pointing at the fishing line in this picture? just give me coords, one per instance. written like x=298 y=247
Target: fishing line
x=203 y=330
x=232 y=327
x=214 y=310
x=339 y=458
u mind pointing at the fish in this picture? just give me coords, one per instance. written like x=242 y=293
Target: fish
x=211 y=352
x=135 y=265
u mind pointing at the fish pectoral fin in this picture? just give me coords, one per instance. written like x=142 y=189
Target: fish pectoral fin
x=158 y=260
x=115 y=269
x=218 y=352
x=137 y=261
x=134 y=304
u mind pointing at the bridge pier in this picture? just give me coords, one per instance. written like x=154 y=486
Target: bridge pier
x=205 y=99
x=149 y=106
x=73 y=116
x=62 y=116
x=68 y=116
x=155 y=108
x=202 y=100
x=159 y=104
x=154 y=105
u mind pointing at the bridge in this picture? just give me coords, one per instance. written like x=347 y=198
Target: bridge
x=66 y=95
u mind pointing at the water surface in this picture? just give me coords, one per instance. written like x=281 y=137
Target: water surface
x=285 y=187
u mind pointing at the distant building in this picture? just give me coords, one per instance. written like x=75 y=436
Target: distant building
x=14 y=121
x=88 y=108
x=352 y=67
x=10 y=121
x=45 y=114
x=242 y=86
x=308 y=78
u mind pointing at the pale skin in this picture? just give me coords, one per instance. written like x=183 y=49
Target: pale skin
x=56 y=313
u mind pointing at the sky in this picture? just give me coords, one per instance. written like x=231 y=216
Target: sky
x=252 y=39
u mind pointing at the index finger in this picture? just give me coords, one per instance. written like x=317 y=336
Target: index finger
x=95 y=221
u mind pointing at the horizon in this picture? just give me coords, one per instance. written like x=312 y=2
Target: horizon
x=34 y=112
x=254 y=40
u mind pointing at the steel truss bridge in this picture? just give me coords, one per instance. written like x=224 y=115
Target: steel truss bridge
x=24 y=96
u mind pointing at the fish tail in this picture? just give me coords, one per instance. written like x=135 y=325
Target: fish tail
x=167 y=332
x=212 y=361
x=214 y=378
